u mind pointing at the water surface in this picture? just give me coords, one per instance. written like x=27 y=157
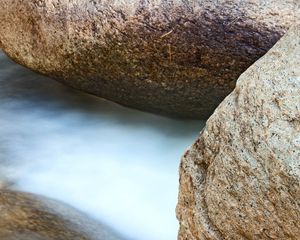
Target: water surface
x=117 y=164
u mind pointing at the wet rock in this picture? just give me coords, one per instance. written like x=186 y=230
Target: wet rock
x=26 y=216
x=179 y=58
x=241 y=178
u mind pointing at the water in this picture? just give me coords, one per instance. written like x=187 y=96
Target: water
x=117 y=164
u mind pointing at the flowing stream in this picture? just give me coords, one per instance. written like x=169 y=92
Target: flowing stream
x=117 y=164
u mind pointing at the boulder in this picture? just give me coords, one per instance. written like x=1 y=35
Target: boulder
x=27 y=216
x=174 y=57
x=241 y=178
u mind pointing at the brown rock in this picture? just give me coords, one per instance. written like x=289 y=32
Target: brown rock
x=241 y=178
x=26 y=216
x=172 y=57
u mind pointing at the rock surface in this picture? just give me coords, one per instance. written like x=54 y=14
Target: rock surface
x=241 y=178
x=178 y=57
x=31 y=217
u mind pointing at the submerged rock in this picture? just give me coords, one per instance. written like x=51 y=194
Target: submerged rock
x=241 y=178
x=26 y=216
x=179 y=58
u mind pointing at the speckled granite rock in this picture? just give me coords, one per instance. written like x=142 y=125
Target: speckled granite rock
x=25 y=216
x=173 y=57
x=241 y=178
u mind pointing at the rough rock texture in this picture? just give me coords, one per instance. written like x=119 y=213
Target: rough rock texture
x=241 y=178
x=176 y=57
x=26 y=216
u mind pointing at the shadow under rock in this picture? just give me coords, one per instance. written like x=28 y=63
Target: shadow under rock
x=35 y=91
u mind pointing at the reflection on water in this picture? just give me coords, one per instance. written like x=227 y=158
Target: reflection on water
x=116 y=164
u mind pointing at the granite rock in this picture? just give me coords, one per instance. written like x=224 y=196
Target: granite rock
x=27 y=216
x=241 y=178
x=174 y=57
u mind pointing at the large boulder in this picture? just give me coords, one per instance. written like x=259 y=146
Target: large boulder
x=241 y=178
x=25 y=216
x=174 y=57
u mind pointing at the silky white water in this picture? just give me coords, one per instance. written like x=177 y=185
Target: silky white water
x=117 y=164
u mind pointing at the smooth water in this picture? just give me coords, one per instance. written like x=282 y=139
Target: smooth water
x=117 y=164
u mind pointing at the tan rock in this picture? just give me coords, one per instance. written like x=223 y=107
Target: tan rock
x=25 y=216
x=241 y=178
x=176 y=57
